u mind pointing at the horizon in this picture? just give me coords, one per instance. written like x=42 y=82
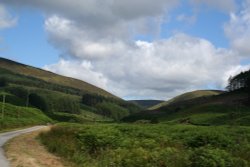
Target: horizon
x=134 y=50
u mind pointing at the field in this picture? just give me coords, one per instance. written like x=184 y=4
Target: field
x=149 y=145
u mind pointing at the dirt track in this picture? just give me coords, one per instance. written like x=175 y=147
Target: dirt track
x=4 y=137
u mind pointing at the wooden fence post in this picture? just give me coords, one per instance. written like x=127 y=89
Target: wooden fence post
x=3 y=105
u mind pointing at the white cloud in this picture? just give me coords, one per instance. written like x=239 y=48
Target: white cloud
x=79 y=69
x=238 y=30
x=159 y=69
x=79 y=42
x=6 y=20
x=100 y=14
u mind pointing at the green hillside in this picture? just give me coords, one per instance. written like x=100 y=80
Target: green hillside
x=227 y=108
x=50 y=77
x=61 y=98
x=187 y=96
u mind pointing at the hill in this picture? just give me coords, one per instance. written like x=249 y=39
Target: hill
x=228 y=108
x=52 y=77
x=146 y=103
x=61 y=98
x=187 y=96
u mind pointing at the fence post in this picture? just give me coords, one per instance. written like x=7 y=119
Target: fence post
x=27 y=99
x=3 y=105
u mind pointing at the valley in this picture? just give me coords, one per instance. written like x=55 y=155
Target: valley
x=92 y=127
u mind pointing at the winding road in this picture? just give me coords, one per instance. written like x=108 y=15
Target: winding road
x=4 y=137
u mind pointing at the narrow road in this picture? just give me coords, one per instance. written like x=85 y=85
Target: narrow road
x=4 y=137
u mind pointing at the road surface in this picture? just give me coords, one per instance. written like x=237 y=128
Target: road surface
x=4 y=137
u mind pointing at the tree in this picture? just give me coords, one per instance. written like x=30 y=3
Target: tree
x=38 y=102
x=18 y=91
x=67 y=105
x=3 y=82
x=91 y=99
x=240 y=81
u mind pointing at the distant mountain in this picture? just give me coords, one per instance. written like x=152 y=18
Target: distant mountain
x=52 y=77
x=146 y=103
x=188 y=96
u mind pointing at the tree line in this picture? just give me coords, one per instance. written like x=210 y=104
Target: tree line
x=240 y=81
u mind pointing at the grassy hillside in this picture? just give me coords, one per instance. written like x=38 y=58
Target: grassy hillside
x=146 y=103
x=51 y=77
x=16 y=116
x=29 y=86
x=128 y=145
x=227 y=108
x=187 y=96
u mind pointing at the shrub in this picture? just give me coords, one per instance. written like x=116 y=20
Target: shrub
x=94 y=141
x=131 y=145
x=208 y=138
x=208 y=157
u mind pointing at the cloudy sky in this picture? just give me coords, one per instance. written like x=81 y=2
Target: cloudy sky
x=136 y=49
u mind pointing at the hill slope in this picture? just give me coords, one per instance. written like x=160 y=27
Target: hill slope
x=61 y=98
x=187 y=96
x=227 y=108
x=52 y=77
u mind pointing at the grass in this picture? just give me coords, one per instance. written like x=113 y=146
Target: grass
x=161 y=145
x=16 y=116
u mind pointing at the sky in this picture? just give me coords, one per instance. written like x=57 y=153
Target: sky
x=139 y=49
